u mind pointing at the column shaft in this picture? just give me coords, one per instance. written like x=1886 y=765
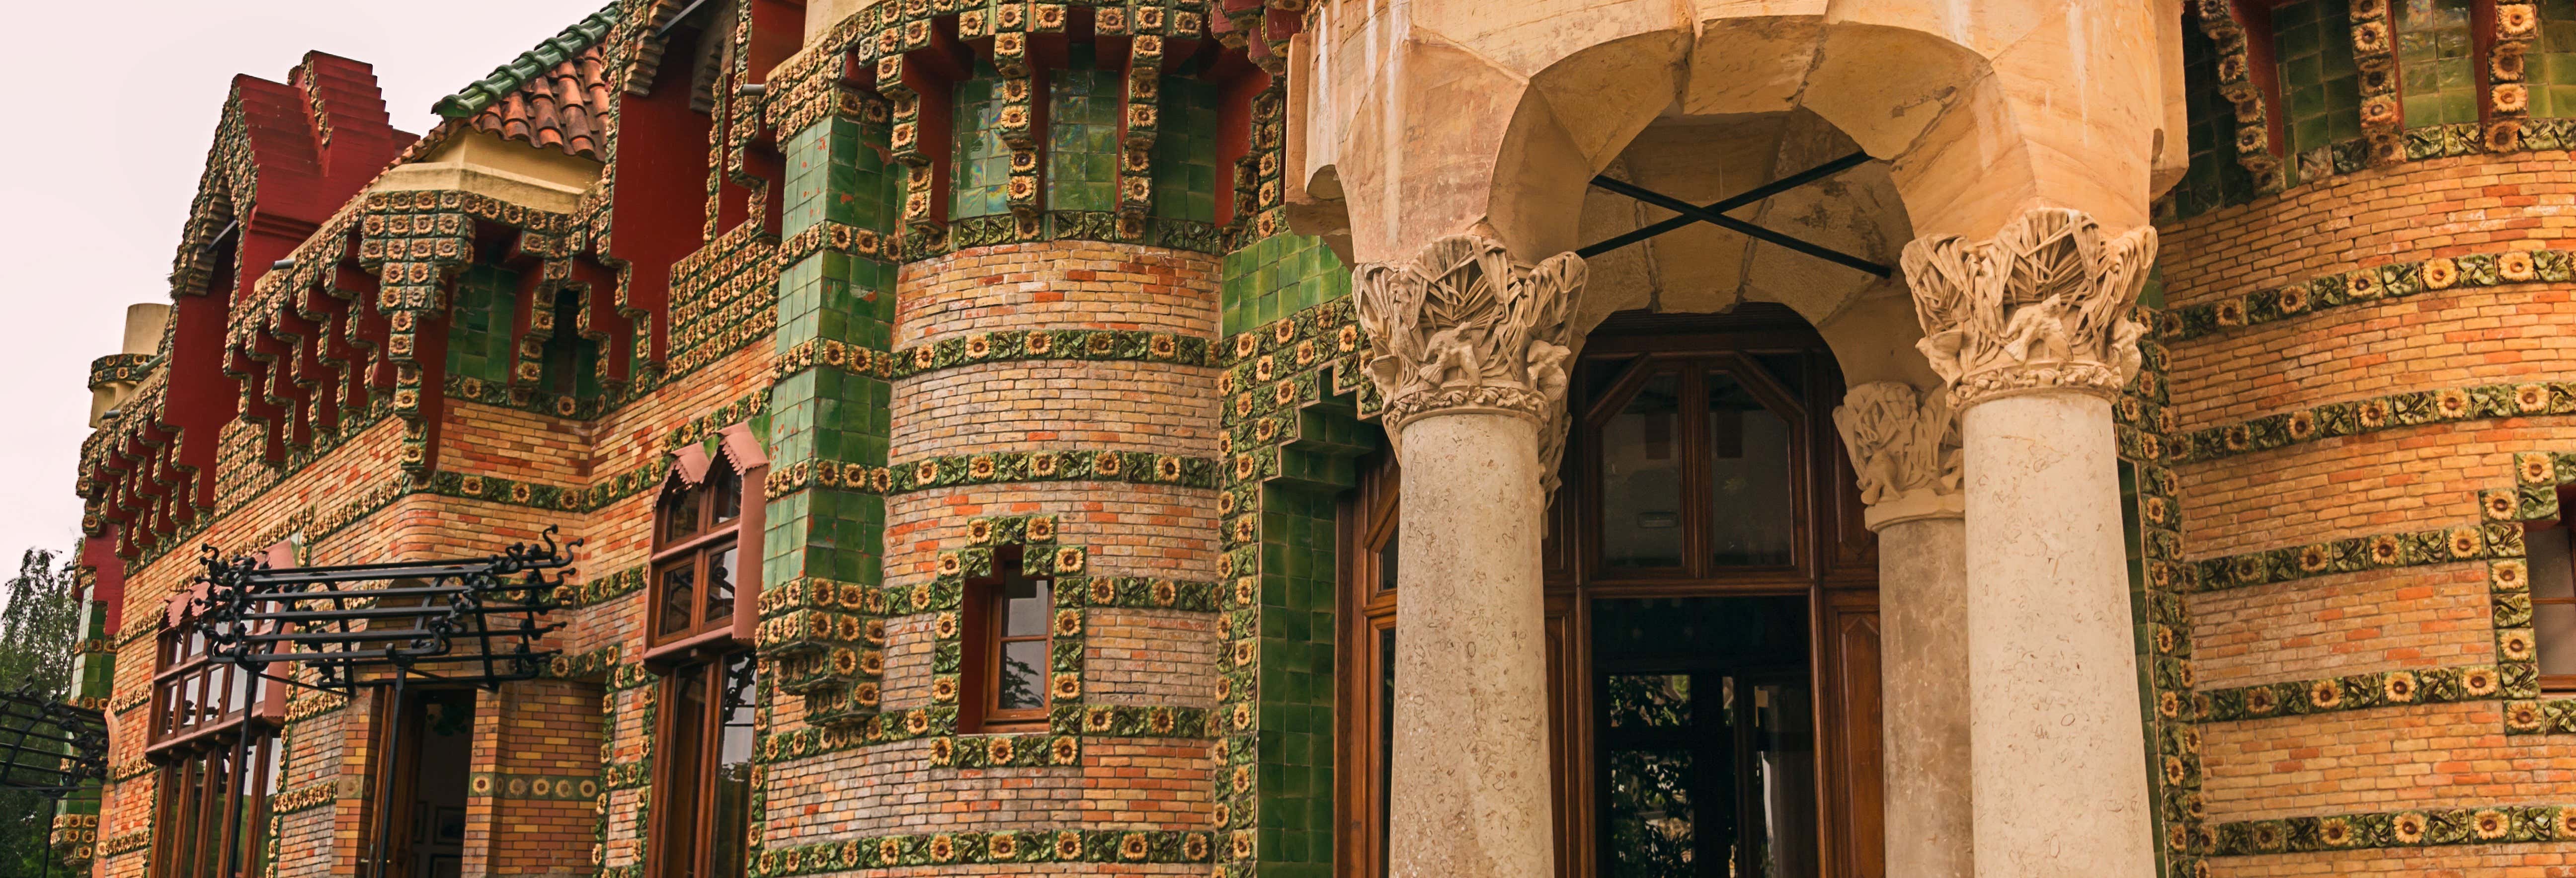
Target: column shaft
x=2060 y=779
x=1922 y=598
x=1471 y=782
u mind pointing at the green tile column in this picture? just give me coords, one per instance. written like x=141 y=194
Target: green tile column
x=75 y=826
x=828 y=412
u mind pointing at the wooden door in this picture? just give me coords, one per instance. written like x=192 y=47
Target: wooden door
x=1853 y=713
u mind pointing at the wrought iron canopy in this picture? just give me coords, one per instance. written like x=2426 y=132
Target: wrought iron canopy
x=49 y=747
x=472 y=620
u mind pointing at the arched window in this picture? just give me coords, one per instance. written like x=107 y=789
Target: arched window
x=213 y=731
x=1700 y=463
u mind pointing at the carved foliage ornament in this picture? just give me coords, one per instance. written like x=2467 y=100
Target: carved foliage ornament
x=1464 y=328
x=1901 y=440
x=2044 y=305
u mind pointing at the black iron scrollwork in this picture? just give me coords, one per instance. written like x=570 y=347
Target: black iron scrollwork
x=472 y=620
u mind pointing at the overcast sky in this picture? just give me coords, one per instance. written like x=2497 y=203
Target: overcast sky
x=113 y=106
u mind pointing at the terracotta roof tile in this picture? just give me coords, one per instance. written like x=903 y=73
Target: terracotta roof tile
x=555 y=96
x=566 y=108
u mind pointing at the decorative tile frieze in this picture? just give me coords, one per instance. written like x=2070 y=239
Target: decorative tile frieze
x=505 y=785
x=2364 y=286
x=1052 y=344
x=304 y=798
x=120 y=369
x=127 y=842
x=986 y=848
x=2369 y=690
x=2365 y=416
x=2496 y=824
x=748 y=408
x=306 y=707
x=2458 y=544
x=1138 y=467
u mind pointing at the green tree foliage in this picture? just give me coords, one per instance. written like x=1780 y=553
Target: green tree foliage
x=39 y=630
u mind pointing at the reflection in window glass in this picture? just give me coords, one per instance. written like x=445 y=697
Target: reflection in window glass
x=1387 y=555
x=1652 y=827
x=1385 y=737
x=1751 y=521
x=679 y=592
x=2553 y=600
x=1023 y=678
x=1649 y=700
x=720 y=584
x=1641 y=479
x=1785 y=760
x=732 y=822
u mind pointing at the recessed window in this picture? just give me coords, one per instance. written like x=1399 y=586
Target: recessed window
x=1008 y=647
x=703 y=816
x=699 y=564
x=1698 y=464
x=2553 y=606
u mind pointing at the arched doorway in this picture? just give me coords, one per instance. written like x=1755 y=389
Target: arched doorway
x=1712 y=615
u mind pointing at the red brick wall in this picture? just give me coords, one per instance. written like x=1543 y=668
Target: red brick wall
x=2386 y=481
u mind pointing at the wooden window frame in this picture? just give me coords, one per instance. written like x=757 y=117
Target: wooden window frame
x=1836 y=572
x=242 y=743
x=704 y=637
x=699 y=764
x=1370 y=519
x=985 y=608
x=2555 y=684
x=1691 y=436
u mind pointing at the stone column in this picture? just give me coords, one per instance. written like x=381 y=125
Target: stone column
x=1904 y=445
x=2032 y=332
x=1472 y=351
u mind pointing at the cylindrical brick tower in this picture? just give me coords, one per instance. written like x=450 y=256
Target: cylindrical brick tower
x=2350 y=508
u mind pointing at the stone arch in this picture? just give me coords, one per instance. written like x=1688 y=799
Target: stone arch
x=1981 y=112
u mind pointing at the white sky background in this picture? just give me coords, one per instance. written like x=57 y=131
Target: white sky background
x=102 y=138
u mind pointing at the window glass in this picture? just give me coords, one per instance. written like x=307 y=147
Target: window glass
x=1022 y=683
x=680 y=514
x=2553 y=600
x=720 y=589
x=1641 y=478
x=2552 y=575
x=1653 y=830
x=732 y=818
x=1785 y=767
x=686 y=749
x=1752 y=515
x=1388 y=555
x=724 y=492
x=1024 y=606
x=1649 y=700
x=679 y=595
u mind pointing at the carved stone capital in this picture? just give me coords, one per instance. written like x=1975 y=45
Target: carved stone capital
x=1904 y=444
x=1463 y=328
x=2044 y=305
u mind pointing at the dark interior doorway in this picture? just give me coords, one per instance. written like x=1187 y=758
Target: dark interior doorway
x=428 y=784
x=1706 y=750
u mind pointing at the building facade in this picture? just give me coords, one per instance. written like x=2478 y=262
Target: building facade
x=1293 y=438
